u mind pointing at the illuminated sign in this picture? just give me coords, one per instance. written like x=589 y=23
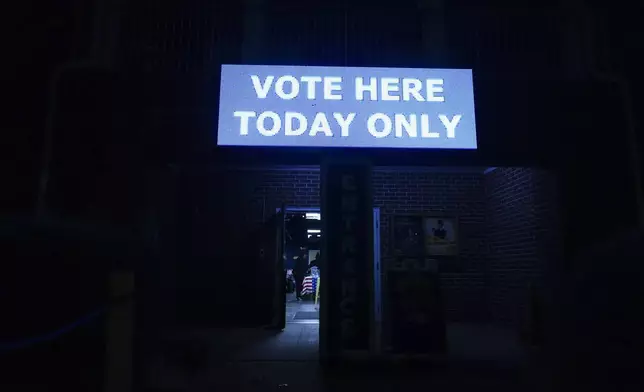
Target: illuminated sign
x=293 y=106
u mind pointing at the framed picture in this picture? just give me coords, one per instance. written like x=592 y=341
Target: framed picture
x=407 y=235
x=441 y=236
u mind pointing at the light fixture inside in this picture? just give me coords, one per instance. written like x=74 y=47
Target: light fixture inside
x=313 y=215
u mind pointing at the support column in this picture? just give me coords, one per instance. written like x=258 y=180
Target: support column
x=254 y=31
x=347 y=268
x=119 y=360
x=577 y=44
x=434 y=48
x=107 y=29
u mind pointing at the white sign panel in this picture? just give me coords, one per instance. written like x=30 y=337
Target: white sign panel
x=294 y=106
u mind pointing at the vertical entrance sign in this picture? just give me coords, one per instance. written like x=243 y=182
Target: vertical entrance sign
x=347 y=214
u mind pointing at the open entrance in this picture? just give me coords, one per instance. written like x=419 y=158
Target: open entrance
x=303 y=242
x=302 y=269
x=466 y=258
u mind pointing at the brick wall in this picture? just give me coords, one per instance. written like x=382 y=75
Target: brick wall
x=522 y=237
x=405 y=191
x=220 y=209
x=409 y=191
x=507 y=224
x=218 y=215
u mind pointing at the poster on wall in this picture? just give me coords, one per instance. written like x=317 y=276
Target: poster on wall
x=408 y=235
x=302 y=106
x=441 y=236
